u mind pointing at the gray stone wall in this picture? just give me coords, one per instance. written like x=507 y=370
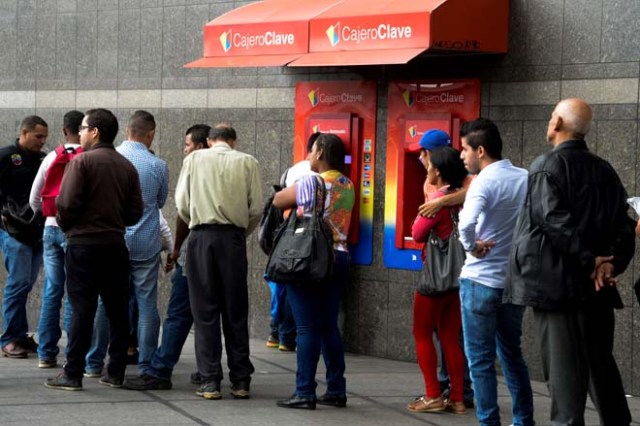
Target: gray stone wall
x=56 y=55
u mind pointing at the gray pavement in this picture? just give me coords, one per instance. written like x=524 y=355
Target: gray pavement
x=378 y=392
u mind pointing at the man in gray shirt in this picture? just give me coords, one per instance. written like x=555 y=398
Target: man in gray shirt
x=219 y=194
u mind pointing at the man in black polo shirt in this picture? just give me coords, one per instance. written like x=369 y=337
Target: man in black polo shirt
x=21 y=244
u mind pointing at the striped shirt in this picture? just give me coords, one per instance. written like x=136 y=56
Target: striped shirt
x=143 y=239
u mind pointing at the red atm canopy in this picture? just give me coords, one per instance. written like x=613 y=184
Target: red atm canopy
x=365 y=32
x=352 y=32
x=262 y=34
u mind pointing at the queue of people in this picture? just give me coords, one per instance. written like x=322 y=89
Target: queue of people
x=554 y=238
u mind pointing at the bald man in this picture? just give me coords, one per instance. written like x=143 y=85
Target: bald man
x=572 y=239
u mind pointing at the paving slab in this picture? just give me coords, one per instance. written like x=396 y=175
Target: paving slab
x=378 y=390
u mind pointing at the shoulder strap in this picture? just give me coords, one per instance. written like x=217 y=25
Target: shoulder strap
x=283 y=178
x=319 y=196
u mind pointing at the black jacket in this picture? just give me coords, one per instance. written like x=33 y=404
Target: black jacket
x=18 y=169
x=575 y=210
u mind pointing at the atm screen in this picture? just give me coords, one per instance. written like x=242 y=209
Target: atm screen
x=347 y=159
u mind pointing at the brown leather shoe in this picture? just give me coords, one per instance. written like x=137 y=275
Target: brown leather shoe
x=29 y=344
x=14 y=350
x=456 y=407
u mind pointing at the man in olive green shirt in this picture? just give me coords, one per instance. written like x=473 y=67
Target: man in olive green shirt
x=219 y=194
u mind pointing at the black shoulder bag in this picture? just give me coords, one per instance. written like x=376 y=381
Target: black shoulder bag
x=303 y=248
x=443 y=262
x=272 y=218
x=22 y=224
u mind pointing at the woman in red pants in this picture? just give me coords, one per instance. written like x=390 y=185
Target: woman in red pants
x=445 y=171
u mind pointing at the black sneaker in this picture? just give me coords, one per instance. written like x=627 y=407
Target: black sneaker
x=146 y=382
x=240 y=390
x=111 y=381
x=332 y=400
x=64 y=382
x=210 y=390
x=196 y=379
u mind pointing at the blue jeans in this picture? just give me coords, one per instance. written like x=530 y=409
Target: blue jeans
x=144 y=280
x=315 y=311
x=492 y=327
x=99 y=341
x=49 y=333
x=22 y=263
x=175 y=328
x=282 y=324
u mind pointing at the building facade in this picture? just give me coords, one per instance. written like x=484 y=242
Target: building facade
x=124 y=55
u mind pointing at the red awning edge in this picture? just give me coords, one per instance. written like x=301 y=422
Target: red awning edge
x=242 y=61
x=360 y=57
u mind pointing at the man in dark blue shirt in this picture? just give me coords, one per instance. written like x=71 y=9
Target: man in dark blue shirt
x=21 y=243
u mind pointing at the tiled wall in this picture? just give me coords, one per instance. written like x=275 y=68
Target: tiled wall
x=128 y=54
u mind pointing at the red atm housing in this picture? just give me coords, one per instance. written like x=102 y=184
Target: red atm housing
x=415 y=107
x=347 y=126
x=348 y=110
x=411 y=172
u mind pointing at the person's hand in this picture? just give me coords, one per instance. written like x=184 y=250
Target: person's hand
x=482 y=248
x=603 y=272
x=170 y=264
x=430 y=208
x=638 y=228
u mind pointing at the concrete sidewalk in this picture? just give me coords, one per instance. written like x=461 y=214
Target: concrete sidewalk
x=379 y=389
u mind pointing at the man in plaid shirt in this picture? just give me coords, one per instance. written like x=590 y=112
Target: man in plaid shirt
x=143 y=239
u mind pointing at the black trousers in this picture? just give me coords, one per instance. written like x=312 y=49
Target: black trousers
x=217 y=276
x=577 y=358
x=92 y=271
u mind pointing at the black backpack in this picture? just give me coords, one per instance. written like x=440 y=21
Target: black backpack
x=272 y=218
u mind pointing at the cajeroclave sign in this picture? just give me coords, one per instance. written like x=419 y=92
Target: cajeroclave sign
x=256 y=39
x=369 y=32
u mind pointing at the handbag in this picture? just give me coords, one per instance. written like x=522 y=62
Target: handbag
x=443 y=262
x=23 y=224
x=303 y=247
x=272 y=218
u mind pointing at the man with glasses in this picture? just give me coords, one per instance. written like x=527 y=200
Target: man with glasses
x=99 y=196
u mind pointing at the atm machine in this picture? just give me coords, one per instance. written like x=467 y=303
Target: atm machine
x=414 y=108
x=348 y=110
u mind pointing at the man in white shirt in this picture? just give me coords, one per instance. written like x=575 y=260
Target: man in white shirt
x=486 y=225
x=54 y=244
